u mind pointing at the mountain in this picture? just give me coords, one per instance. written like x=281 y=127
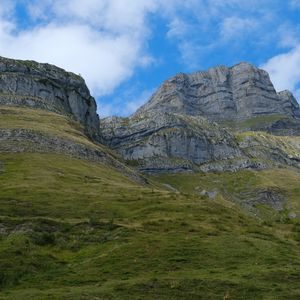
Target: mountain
x=44 y=86
x=45 y=109
x=214 y=215
x=195 y=122
x=240 y=92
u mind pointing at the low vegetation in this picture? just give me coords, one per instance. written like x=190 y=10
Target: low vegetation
x=74 y=229
x=71 y=229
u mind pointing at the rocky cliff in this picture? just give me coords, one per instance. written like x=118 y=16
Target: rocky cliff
x=193 y=123
x=36 y=85
x=163 y=141
x=240 y=92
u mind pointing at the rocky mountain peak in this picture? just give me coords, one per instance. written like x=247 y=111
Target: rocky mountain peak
x=44 y=86
x=221 y=93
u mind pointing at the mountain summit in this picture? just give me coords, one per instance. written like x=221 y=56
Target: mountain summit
x=240 y=92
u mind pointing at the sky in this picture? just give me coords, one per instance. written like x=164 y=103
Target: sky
x=126 y=48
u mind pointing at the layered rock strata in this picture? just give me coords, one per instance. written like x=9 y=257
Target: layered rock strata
x=36 y=85
x=186 y=124
x=240 y=92
x=162 y=141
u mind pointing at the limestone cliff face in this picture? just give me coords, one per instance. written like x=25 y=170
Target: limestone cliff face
x=178 y=128
x=191 y=123
x=240 y=92
x=36 y=85
x=168 y=142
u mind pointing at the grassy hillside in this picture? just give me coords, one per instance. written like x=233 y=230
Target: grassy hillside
x=238 y=187
x=42 y=121
x=76 y=229
x=72 y=229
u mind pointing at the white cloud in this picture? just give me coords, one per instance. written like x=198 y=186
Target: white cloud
x=103 y=61
x=177 y=28
x=284 y=70
x=233 y=27
x=103 y=40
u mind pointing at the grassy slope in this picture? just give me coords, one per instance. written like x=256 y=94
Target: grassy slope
x=256 y=123
x=79 y=230
x=42 y=121
x=233 y=185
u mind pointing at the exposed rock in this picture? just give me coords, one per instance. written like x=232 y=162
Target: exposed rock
x=3 y=230
x=171 y=188
x=281 y=151
x=240 y=92
x=175 y=130
x=284 y=127
x=292 y=215
x=233 y=165
x=272 y=197
x=210 y=194
x=168 y=142
x=289 y=104
x=28 y=83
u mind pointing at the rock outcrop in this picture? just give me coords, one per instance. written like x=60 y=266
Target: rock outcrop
x=36 y=85
x=178 y=128
x=168 y=142
x=240 y=92
x=185 y=126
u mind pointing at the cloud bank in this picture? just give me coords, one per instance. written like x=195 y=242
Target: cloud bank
x=100 y=39
x=107 y=41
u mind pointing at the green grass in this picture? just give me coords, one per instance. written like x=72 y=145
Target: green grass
x=232 y=186
x=256 y=123
x=42 y=121
x=49 y=123
x=78 y=230
x=74 y=229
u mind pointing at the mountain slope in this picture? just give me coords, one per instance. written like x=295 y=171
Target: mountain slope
x=77 y=223
x=74 y=229
x=161 y=141
x=26 y=130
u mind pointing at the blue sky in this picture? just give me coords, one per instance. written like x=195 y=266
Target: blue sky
x=126 y=48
